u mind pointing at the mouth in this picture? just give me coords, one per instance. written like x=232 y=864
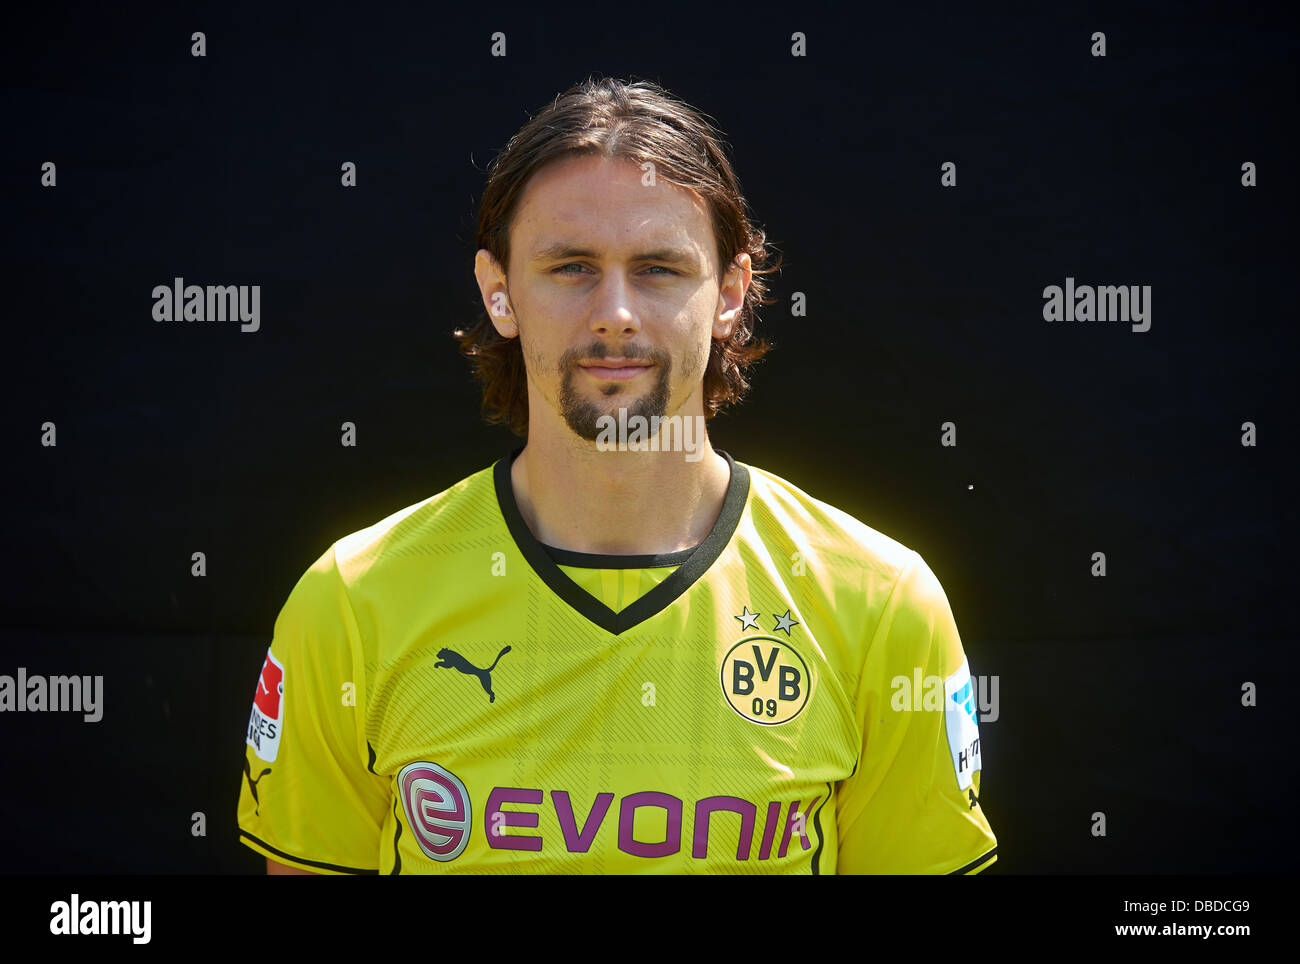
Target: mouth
x=615 y=370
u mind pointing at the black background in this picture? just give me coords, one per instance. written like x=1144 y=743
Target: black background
x=1119 y=694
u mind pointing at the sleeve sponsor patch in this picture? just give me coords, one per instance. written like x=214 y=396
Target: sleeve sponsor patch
x=961 y=722
x=266 y=722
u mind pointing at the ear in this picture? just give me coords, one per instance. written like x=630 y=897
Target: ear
x=731 y=296
x=495 y=293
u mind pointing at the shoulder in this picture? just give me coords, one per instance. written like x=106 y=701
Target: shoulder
x=782 y=511
x=880 y=588
x=428 y=528
x=378 y=562
x=406 y=560
x=870 y=584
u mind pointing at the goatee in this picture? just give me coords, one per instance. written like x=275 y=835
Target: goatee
x=583 y=416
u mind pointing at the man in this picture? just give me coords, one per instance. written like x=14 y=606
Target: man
x=618 y=649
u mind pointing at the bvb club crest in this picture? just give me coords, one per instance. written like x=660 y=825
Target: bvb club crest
x=763 y=677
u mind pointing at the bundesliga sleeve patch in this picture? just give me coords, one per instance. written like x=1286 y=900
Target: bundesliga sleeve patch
x=961 y=723
x=266 y=722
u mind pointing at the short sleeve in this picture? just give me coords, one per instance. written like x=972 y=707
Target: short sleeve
x=307 y=796
x=912 y=805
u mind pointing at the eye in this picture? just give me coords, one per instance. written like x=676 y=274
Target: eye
x=573 y=264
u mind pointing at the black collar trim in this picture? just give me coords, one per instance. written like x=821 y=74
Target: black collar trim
x=691 y=563
x=597 y=560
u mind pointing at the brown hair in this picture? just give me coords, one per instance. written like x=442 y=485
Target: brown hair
x=640 y=122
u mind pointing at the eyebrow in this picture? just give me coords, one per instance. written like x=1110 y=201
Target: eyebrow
x=558 y=250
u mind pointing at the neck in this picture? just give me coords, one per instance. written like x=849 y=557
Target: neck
x=574 y=496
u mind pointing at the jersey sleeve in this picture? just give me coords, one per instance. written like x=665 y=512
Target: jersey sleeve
x=912 y=805
x=307 y=795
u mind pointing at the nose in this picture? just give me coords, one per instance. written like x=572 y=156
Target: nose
x=613 y=311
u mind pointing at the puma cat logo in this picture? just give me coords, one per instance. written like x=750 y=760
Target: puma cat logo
x=449 y=657
x=252 y=785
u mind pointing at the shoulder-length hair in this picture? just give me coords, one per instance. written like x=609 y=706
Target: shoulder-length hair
x=640 y=122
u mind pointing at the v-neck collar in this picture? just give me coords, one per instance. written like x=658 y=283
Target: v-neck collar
x=695 y=564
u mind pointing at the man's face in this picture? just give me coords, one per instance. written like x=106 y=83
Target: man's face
x=614 y=293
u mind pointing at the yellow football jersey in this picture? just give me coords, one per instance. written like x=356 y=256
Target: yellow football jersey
x=445 y=694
